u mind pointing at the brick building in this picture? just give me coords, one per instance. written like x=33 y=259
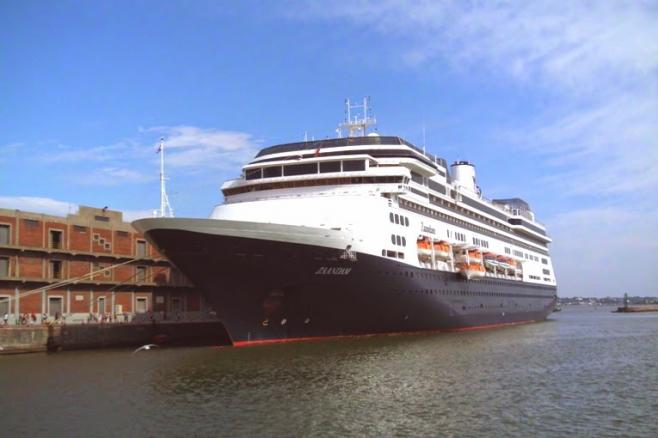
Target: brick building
x=88 y=262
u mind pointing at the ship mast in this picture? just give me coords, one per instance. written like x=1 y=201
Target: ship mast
x=165 y=206
x=356 y=126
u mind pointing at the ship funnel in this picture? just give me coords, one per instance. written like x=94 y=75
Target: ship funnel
x=462 y=174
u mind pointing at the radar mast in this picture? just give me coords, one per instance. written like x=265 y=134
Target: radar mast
x=354 y=125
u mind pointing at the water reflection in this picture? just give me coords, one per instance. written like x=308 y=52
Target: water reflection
x=586 y=372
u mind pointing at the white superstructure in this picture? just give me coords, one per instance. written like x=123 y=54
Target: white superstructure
x=391 y=200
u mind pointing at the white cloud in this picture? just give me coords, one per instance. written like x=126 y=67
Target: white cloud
x=569 y=44
x=38 y=205
x=104 y=153
x=197 y=148
x=110 y=177
x=596 y=65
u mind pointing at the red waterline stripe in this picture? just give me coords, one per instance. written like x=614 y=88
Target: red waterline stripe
x=423 y=332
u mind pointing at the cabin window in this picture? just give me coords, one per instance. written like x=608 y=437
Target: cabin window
x=329 y=166
x=300 y=169
x=354 y=165
x=546 y=272
x=253 y=174
x=397 y=219
x=393 y=239
x=390 y=216
x=544 y=261
x=406 y=221
x=398 y=241
x=272 y=172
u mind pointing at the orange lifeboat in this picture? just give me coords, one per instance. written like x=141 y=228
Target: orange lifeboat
x=475 y=254
x=442 y=249
x=471 y=270
x=424 y=249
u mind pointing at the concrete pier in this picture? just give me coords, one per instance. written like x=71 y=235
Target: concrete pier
x=52 y=337
x=635 y=309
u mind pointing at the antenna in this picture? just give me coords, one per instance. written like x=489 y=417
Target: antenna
x=424 y=138
x=165 y=206
x=355 y=125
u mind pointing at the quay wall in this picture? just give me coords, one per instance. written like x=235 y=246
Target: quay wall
x=90 y=336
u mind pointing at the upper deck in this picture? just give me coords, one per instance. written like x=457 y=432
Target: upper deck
x=373 y=159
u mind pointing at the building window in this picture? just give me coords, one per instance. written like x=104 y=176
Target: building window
x=4 y=267
x=55 y=307
x=31 y=223
x=141 y=248
x=56 y=239
x=140 y=274
x=176 y=304
x=56 y=269
x=101 y=304
x=4 y=305
x=80 y=229
x=4 y=234
x=141 y=305
x=102 y=218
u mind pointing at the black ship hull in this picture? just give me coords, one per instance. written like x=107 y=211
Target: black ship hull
x=269 y=291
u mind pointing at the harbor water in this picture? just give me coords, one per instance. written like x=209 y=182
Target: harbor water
x=584 y=372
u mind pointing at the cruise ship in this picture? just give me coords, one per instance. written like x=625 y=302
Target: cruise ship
x=361 y=234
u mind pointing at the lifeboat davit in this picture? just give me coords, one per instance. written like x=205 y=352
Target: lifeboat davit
x=471 y=270
x=442 y=249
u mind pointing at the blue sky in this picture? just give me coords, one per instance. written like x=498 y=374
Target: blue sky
x=554 y=102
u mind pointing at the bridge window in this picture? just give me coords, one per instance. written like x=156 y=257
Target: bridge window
x=354 y=165
x=253 y=174
x=329 y=166
x=272 y=172
x=300 y=169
